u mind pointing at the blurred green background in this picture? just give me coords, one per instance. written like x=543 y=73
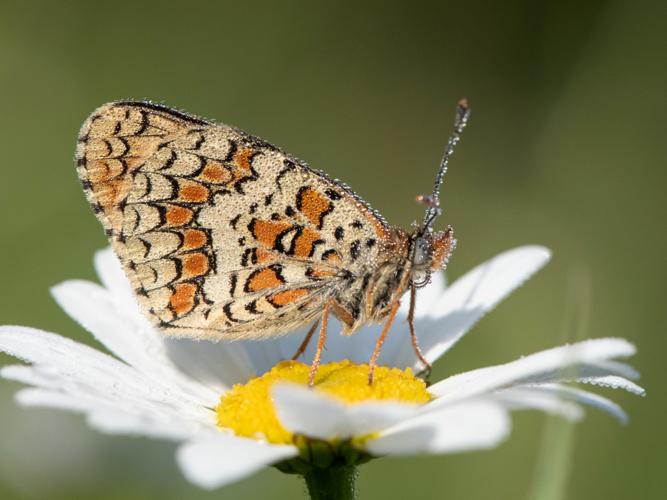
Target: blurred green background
x=566 y=147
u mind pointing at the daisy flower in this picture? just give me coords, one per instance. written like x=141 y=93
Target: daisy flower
x=236 y=407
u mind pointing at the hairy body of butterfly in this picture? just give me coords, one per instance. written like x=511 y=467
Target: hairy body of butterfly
x=224 y=236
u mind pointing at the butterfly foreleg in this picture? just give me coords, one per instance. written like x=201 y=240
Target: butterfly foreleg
x=378 y=345
x=304 y=345
x=320 y=344
x=413 y=336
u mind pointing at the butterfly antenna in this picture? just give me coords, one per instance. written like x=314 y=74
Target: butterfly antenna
x=433 y=201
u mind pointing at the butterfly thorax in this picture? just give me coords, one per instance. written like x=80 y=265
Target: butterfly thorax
x=409 y=259
x=367 y=293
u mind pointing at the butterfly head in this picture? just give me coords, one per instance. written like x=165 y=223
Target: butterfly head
x=430 y=252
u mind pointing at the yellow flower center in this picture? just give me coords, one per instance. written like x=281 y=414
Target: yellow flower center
x=248 y=408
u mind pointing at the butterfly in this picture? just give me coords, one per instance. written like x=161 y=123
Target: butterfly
x=224 y=236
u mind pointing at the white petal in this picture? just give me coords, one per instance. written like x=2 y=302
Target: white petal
x=91 y=393
x=102 y=416
x=467 y=426
x=426 y=298
x=565 y=359
x=51 y=399
x=216 y=365
x=37 y=346
x=469 y=298
x=584 y=372
x=126 y=335
x=64 y=366
x=614 y=382
x=311 y=413
x=615 y=368
x=565 y=393
x=27 y=375
x=263 y=355
x=517 y=398
x=114 y=422
x=222 y=459
x=113 y=278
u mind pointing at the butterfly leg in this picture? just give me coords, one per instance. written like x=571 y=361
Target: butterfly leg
x=304 y=345
x=413 y=336
x=320 y=345
x=376 y=352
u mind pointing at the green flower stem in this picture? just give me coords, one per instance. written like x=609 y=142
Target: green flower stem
x=332 y=483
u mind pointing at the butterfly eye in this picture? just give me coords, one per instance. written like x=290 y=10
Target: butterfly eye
x=421 y=254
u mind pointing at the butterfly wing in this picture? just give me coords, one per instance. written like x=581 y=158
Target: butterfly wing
x=221 y=234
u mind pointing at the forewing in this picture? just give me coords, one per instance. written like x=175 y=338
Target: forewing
x=221 y=234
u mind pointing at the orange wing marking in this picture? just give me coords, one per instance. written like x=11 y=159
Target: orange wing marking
x=242 y=158
x=178 y=216
x=194 y=264
x=193 y=239
x=183 y=300
x=266 y=232
x=216 y=173
x=332 y=257
x=305 y=243
x=264 y=256
x=313 y=205
x=269 y=277
x=192 y=192
x=286 y=297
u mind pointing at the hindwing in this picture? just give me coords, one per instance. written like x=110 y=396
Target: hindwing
x=221 y=234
